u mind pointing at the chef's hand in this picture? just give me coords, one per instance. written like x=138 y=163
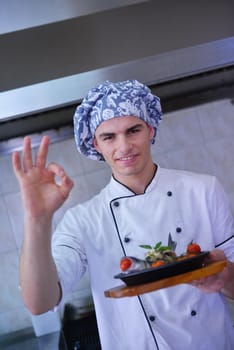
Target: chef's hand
x=220 y=282
x=41 y=194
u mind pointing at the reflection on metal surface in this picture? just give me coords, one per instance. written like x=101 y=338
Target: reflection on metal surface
x=35 y=13
x=15 y=144
x=150 y=70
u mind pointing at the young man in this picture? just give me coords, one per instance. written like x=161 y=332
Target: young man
x=142 y=204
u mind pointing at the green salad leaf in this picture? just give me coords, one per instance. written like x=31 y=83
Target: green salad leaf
x=158 y=246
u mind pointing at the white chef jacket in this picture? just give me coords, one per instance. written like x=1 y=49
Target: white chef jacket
x=96 y=234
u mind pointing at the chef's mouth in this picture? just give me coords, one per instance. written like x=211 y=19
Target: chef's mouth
x=127 y=158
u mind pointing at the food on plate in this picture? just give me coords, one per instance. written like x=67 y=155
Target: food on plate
x=130 y=263
x=193 y=248
x=157 y=263
x=159 y=252
x=157 y=256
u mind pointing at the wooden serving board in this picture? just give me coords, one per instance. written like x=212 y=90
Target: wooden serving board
x=128 y=291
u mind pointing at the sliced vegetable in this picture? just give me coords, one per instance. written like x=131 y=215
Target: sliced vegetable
x=125 y=264
x=158 y=263
x=193 y=248
x=131 y=263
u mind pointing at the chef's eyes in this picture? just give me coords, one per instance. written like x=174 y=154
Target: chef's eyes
x=108 y=137
x=133 y=131
x=111 y=137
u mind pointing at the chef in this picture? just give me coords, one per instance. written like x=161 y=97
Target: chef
x=142 y=204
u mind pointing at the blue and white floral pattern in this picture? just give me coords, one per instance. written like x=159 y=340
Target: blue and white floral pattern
x=110 y=100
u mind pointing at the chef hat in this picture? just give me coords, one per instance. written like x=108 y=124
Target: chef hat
x=109 y=100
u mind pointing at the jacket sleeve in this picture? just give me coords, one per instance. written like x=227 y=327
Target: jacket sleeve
x=222 y=218
x=68 y=252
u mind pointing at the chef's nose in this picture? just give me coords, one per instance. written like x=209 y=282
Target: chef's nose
x=124 y=144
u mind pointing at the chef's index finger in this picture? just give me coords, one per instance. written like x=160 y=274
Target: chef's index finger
x=41 y=156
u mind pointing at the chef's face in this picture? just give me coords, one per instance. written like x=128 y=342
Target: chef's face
x=125 y=144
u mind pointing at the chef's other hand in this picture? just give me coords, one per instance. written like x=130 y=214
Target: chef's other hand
x=213 y=283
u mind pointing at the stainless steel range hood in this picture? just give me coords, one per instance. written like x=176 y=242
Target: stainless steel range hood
x=201 y=62
x=182 y=68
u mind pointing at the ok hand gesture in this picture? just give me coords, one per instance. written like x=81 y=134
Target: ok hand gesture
x=42 y=195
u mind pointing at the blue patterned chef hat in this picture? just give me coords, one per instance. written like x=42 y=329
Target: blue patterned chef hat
x=110 y=100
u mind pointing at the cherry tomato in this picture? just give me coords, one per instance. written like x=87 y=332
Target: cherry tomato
x=125 y=263
x=157 y=263
x=193 y=248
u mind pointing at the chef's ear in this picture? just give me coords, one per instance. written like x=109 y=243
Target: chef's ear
x=95 y=143
x=151 y=132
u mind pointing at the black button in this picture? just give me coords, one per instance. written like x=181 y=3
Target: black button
x=178 y=229
x=193 y=313
x=152 y=318
x=116 y=204
x=169 y=193
x=126 y=239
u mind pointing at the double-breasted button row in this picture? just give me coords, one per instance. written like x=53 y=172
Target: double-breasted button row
x=178 y=229
x=152 y=318
x=126 y=239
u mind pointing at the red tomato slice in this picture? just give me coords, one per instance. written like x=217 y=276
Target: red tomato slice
x=125 y=263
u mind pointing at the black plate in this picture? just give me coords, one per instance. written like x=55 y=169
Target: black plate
x=164 y=271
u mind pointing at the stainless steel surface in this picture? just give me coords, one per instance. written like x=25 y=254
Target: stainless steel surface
x=150 y=70
x=35 y=13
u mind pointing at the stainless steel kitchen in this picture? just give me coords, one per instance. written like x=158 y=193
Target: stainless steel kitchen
x=52 y=53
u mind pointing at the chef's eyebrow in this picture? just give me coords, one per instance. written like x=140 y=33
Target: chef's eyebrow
x=136 y=126
x=105 y=134
x=132 y=128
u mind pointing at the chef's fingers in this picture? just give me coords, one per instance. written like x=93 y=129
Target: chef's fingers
x=62 y=178
x=27 y=154
x=16 y=163
x=217 y=254
x=210 y=284
x=66 y=185
x=41 y=155
x=197 y=282
x=56 y=170
x=20 y=166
